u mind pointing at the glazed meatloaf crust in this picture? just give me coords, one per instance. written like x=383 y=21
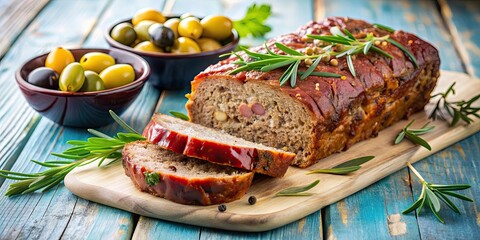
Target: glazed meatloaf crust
x=320 y=115
x=211 y=145
x=181 y=179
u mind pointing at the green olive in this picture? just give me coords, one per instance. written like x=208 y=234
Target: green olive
x=148 y=46
x=190 y=27
x=148 y=14
x=142 y=29
x=186 y=15
x=72 y=77
x=185 y=45
x=124 y=33
x=117 y=75
x=172 y=23
x=208 y=44
x=92 y=83
x=96 y=61
x=58 y=59
x=216 y=27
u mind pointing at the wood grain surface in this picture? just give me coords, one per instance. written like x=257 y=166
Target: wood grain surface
x=110 y=186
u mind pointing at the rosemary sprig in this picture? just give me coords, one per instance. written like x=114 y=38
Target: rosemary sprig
x=412 y=134
x=253 y=23
x=291 y=59
x=432 y=194
x=298 y=191
x=386 y=28
x=180 y=115
x=98 y=148
x=346 y=167
x=458 y=110
x=347 y=45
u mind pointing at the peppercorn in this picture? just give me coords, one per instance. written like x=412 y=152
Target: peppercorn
x=252 y=200
x=308 y=61
x=222 y=207
x=334 y=62
x=309 y=51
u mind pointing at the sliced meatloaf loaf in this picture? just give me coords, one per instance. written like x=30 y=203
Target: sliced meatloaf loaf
x=181 y=179
x=197 y=141
x=320 y=115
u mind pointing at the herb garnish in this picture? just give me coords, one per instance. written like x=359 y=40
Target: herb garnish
x=346 y=167
x=269 y=61
x=458 y=110
x=98 y=148
x=151 y=178
x=348 y=45
x=339 y=44
x=383 y=27
x=432 y=194
x=298 y=191
x=253 y=21
x=412 y=134
x=180 y=115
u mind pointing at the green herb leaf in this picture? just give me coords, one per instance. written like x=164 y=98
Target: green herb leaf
x=287 y=50
x=298 y=191
x=151 y=178
x=121 y=122
x=253 y=21
x=412 y=135
x=180 y=115
x=337 y=171
x=405 y=50
x=383 y=27
x=432 y=194
x=355 y=162
x=458 y=110
x=346 y=167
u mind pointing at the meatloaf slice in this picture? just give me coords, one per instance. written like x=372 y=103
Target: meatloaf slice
x=182 y=179
x=197 y=141
x=320 y=115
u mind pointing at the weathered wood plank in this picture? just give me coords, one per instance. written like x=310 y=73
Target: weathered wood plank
x=405 y=15
x=14 y=18
x=463 y=19
x=58 y=212
x=457 y=164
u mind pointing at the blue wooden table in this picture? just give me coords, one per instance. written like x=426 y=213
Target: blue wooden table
x=31 y=27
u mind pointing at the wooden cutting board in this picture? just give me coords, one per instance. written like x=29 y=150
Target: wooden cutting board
x=110 y=186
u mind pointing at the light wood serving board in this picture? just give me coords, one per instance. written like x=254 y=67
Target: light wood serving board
x=110 y=186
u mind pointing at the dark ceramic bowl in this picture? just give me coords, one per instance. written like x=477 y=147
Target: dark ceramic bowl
x=83 y=109
x=175 y=71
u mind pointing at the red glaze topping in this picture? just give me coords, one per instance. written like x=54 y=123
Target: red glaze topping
x=331 y=98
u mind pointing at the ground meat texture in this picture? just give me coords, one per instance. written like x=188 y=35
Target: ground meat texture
x=182 y=179
x=320 y=116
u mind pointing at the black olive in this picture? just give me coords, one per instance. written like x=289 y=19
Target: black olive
x=161 y=36
x=222 y=207
x=252 y=200
x=44 y=77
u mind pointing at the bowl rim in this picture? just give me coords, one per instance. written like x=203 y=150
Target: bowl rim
x=115 y=44
x=139 y=81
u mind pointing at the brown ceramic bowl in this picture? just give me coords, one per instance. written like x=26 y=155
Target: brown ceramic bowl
x=83 y=109
x=175 y=71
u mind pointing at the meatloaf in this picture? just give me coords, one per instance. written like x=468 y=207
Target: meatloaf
x=181 y=179
x=320 y=115
x=208 y=144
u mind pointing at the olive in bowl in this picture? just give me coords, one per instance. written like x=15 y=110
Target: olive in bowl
x=175 y=65
x=87 y=108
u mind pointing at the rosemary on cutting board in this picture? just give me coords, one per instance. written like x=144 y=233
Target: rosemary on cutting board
x=412 y=134
x=346 y=167
x=297 y=191
x=98 y=148
x=458 y=110
x=341 y=43
x=432 y=194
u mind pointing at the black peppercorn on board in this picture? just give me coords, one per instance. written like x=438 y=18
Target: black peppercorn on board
x=110 y=186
